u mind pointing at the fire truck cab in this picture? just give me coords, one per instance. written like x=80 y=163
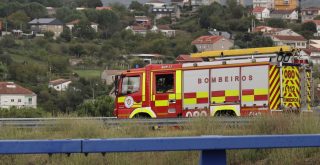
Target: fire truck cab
x=245 y=82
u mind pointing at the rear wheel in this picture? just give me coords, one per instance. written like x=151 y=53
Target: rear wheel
x=226 y=113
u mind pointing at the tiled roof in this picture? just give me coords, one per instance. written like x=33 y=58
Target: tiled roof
x=187 y=58
x=290 y=38
x=207 y=39
x=58 y=81
x=137 y=27
x=77 y=21
x=311 y=8
x=164 y=27
x=317 y=22
x=258 y=9
x=104 y=8
x=46 y=21
x=12 y=88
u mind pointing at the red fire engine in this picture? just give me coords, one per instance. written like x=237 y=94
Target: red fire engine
x=242 y=82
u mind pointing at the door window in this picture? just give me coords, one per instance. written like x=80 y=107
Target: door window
x=130 y=85
x=164 y=83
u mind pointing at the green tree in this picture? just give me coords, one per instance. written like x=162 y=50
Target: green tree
x=102 y=106
x=309 y=26
x=3 y=71
x=275 y=22
x=18 y=18
x=66 y=34
x=35 y=10
x=84 y=30
x=135 y=5
x=249 y=40
x=89 y=3
x=77 y=50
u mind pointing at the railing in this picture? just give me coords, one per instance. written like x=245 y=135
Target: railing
x=42 y=122
x=213 y=148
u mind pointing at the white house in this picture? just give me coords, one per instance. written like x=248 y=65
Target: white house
x=60 y=84
x=155 y=3
x=13 y=95
x=71 y=24
x=314 y=51
x=291 y=15
x=261 y=13
x=138 y=29
x=263 y=3
x=294 y=41
x=164 y=29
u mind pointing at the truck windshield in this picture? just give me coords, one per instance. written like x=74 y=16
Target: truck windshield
x=130 y=85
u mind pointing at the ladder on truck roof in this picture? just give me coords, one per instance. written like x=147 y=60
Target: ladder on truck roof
x=244 y=53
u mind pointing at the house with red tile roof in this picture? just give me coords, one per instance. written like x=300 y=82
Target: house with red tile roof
x=309 y=13
x=184 y=58
x=138 y=29
x=261 y=13
x=14 y=95
x=207 y=43
x=60 y=84
x=294 y=41
x=71 y=24
x=104 y=8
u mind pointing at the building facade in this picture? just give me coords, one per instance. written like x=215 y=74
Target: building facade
x=286 y=4
x=309 y=13
x=13 y=95
x=263 y=3
x=42 y=25
x=208 y=43
x=60 y=84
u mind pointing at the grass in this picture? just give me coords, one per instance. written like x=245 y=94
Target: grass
x=280 y=124
x=88 y=74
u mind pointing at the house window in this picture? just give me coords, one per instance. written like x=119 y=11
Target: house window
x=19 y=100
x=298 y=43
x=30 y=100
x=165 y=83
x=12 y=100
x=286 y=2
x=303 y=44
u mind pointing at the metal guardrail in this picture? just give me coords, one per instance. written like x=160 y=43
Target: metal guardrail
x=213 y=148
x=41 y=122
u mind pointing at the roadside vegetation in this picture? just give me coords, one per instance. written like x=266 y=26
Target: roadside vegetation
x=268 y=125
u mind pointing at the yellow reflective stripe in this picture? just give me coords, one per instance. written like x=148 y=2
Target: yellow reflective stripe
x=172 y=96
x=178 y=84
x=247 y=98
x=190 y=101
x=151 y=82
x=218 y=99
x=160 y=103
x=143 y=110
x=202 y=95
x=144 y=86
x=260 y=91
x=232 y=92
x=154 y=97
x=121 y=99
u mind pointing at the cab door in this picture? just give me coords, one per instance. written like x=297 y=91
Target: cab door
x=130 y=94
x=164 y=95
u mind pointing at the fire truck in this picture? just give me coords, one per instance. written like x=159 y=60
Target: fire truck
x=240 y=82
